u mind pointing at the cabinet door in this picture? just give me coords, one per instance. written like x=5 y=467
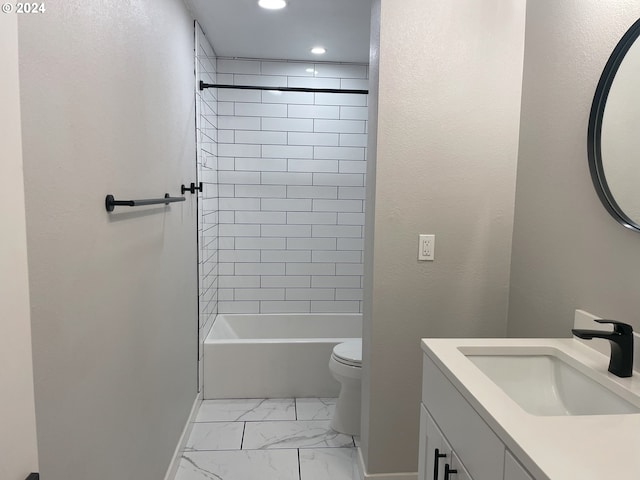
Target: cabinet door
x=513 y=470
x=461 y=472
x=437 y=452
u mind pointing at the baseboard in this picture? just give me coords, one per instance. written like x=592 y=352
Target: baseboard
x=382 y=476
x=177 y=454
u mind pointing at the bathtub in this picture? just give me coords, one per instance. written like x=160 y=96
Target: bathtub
x=274 y=355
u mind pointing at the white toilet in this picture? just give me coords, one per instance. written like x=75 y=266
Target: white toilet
x=346 y=367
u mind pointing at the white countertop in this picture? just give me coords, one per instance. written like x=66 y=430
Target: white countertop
x=589 y=447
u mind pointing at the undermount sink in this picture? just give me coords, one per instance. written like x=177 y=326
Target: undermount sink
x=546 y=383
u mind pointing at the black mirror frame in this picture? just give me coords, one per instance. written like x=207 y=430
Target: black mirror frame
x=594 y=146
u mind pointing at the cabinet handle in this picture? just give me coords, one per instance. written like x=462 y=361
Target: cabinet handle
x=438 y=456
x=448 y=471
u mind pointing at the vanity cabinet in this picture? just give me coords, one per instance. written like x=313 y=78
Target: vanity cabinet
x=454 y=437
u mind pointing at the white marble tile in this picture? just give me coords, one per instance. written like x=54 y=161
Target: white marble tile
x=239 y=465
x=215 y=436
x=329 y=464
x=300 y=434
x=315 y=408
x=246 y=410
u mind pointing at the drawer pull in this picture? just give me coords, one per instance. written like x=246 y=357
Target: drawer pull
x=438 y=456
x=448 y=471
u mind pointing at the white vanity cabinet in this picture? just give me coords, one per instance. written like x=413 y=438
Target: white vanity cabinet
x=455 y=442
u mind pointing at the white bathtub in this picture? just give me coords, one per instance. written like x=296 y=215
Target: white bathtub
x=275 y=355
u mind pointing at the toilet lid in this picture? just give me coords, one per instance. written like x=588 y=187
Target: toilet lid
x=349 y=352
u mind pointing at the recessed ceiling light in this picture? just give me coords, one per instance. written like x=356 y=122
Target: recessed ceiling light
x=272 y=4
x=318 y=50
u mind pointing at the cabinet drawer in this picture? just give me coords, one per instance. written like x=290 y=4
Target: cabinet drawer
x=479 y=449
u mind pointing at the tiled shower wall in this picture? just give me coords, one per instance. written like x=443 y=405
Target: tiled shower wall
x=291 y=180
x=207 y=163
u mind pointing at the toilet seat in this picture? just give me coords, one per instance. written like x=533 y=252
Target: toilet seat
x=349 y=353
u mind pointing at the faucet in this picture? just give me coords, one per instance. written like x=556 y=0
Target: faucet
x=621 y=340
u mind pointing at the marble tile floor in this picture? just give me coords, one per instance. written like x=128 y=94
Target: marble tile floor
x=268 y=439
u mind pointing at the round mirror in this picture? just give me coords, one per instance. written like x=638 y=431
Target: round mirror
x=614 y=132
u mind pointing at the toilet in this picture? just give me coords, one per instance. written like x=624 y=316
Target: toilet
x=346 y=367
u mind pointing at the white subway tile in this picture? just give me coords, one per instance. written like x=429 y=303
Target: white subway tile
x=354 y=84
x=284 y=256
x=314 y=111
x=227 y=217
x=260 y=268
x=226 y=269
x=354 y=99
x=261 y=109
x=312 y=192
x=286 y=178
x=260 y=80
x=261 y=217
x=231 y=122
x=328 y=139
x=243 y=281
x=233 y=230
x=234 y=95
x=314 y=82
x=225 y=294
x=239 y=204
x=288 y=205
x=336 y=231
x=226 y=108
x=226 y=243
x=224 y=136
x=224 y=79
x=311 y=268
x=351 y=244
x=260 y=137
x=261 y=191
x=341 y=70
x=259 y=294
x=310 y=294
x=286 y=68
x=314 y=218
x=261 y=164
x=224 y=65
x=353 y=140
x=355 y=193
x=237 y=256
x=349 y=269
x=320 y=306
x=238 y=150
x=349 y=294
x=287 y=151
x=327 y=166
x=286 y=231
x=340 y=179
x=300 y=98
x=288 y=124
x=336 y=281
x=311 y=243
x=350 y=218
x=337 y=205
x=238 y=307
x=349 y=166
x=336 y=256
x=288 y=281
x=285 y=307
x=339 y=126
x=260 y=243
x=239 y=177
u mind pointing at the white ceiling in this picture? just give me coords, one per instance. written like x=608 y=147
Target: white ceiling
x=239 y=28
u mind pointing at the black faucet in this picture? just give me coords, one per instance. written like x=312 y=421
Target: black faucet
x=621 y=340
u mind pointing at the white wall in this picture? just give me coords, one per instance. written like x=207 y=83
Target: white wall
x=291 y=184
x=568 y=252
x=18 y=449
x=445 y=162
x=107 y=96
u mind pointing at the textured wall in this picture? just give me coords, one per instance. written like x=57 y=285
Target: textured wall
x=107 y=96
x=291 y=184
x=568 y=252
x=447 y=134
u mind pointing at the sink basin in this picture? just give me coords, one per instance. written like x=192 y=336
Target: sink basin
x=551 y=383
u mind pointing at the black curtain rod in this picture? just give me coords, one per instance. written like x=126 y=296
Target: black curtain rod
x=110 y=202
x=283 y=89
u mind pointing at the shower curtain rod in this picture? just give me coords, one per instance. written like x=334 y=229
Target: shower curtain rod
x=283 y=89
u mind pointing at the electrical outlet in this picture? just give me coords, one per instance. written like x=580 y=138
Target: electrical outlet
x=426 y=247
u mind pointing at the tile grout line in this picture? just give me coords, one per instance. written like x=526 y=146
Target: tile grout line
x=244 y=427
x=299 y=466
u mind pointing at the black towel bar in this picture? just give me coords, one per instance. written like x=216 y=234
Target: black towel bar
x=111 y=203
